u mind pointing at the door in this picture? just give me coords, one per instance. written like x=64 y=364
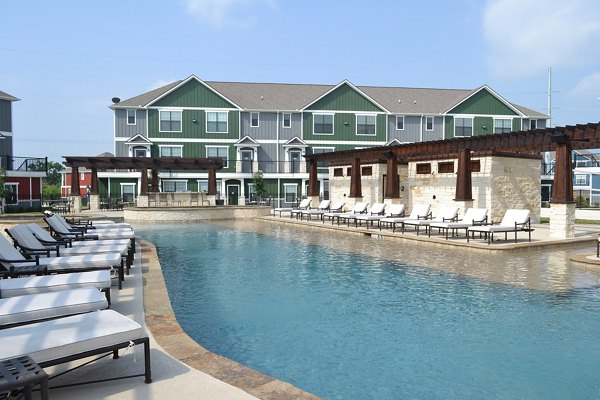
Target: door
x=295 y=161
x=233 y=194
x=247 y=161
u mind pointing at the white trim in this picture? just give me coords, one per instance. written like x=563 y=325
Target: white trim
x=356 y=124
x=160 y=148
x=217 y=112
x=127 y=110
x=257 y=119
x=432 y=123
x=192 y=108
x=283 y=120
x=192 y=140
x=472 y=126
x=347 y=142
x=403 y=122
x=332 y=115
x=218 y=147
x=170 y=111
x=502 y=119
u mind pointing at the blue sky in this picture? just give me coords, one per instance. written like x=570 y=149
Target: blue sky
x=65 y=60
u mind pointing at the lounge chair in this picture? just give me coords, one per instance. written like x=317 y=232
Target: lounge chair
x=51 y=283
x=15 y=262
x=514 y=220
x=321 y=209
x=335 y=209
x=472 y=217
x=376 y=212
x=29 y=308
x=447 y=214
x=44 y=237
x=359 y=208
x=419 y=211
x=26 y=240
x=304 y=205
x=93 y=224
x=71 y=338
x=62 y=230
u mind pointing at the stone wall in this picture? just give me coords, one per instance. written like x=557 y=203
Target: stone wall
x=194 y=213
x=501 y=183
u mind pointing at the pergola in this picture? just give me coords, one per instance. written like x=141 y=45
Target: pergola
x=142 y=164
x=562 y=140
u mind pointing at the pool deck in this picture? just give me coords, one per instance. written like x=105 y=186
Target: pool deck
x=183 y=369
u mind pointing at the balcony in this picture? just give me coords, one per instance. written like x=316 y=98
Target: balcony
x=33 y=166
x=271 y=167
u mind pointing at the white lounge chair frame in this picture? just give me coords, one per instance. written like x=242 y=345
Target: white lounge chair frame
x=514 y=220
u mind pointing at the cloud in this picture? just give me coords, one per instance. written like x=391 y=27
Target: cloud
x=588 y=87
x=221 y=14
x=526 y=36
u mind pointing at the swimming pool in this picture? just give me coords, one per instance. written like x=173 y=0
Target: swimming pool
x=347 y=326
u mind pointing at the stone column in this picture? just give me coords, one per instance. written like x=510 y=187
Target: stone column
x=76 y=204
x=562 y=220
x=94 y=202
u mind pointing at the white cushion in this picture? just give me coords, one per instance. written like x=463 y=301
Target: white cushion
x=107 y=242
x=50 y=283
x=15 y=310
x=83 y=261
x=62 y=337
x=114 y=225
x=91 y=249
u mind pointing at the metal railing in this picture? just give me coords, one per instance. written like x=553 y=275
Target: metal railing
x=13 y=163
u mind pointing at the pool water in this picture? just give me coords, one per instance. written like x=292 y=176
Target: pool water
x=346 y=326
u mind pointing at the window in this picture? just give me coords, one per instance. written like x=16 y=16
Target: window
x=254 y=119
x=428 y=123
x=502 y=125
x=323 y=124
x=139 y=152
x=170 y=121
x=580 y=180
x=216 y=122
x=446 y=167
x=338 y=172
x=533 y=124
x=399 y=122
x=130 y=116
x=321 y=150
x=463 y=126
x=174 y=186
x=290 y=191
x=222 y=152
x=203 y=186
x=128 y=192
x=171 y=151
x=424 y=168
x=475 y=166
x=12 y=198
x=81 y=176
x=367 y=171
x=365 y=124
x=287 y=120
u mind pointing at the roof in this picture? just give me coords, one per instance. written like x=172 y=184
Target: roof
x=295 y=97
x=6 y=96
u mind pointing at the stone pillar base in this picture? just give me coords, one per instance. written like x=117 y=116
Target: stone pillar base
x=314 y=201
x=94 y=202
x=211 y=198
x=142 y=200
x=351 y=201
x=396 y=200
x=76 y=204
x=562 y=221
x=463 y=205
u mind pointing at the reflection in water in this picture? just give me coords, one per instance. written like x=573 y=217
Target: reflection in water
x=539 y=269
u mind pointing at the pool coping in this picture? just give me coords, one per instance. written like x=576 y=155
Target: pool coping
x=161 y=321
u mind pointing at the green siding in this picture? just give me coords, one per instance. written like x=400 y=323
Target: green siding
x=193 y=94
x=517 y=125
x=480 y=122
x=344 y=129
x=115 y=186
x=483 y=102
x=345 y=98
x=449 y=128
x=190 y=129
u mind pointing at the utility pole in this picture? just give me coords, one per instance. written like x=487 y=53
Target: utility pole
x=550 y=97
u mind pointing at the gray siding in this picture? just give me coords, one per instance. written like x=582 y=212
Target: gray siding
x=267 y=126
x=121 y=149
x=413 y=127
x=267 y=157
x=5 y=116
x=124 y=130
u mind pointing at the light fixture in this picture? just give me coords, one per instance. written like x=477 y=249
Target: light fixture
x=195 y=121
x=483 y=126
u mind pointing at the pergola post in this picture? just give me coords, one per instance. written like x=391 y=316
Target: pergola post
x=75 y=190
x=464 y=187
x=355 y=181
x=154 y=184
x=94 y=195
x=562 y=204
x=313 y=182
x=392 y=187
x=212 y=186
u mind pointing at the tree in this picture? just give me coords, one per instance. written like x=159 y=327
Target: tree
x=259 y=185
